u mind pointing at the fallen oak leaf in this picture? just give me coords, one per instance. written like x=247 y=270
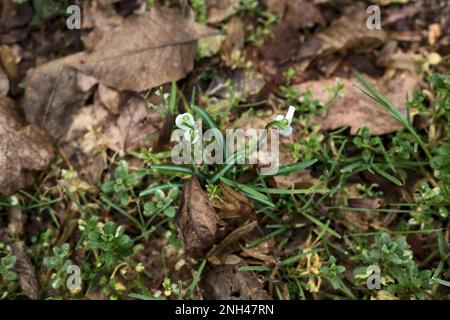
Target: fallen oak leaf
x=24 y=149
x=198 y=224
x=145 y=51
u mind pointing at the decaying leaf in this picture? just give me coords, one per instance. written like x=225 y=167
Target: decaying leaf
x=347 y=33
x=16 y=222
x=216 y=251
x=110 y=98
x=226 y=282
x=82 y=148
x=145 y=51
x=101 y=18
x=231 y=49
x=293 y=15
x=24 y=149
x=233 y=204
x=131 y=129
x=301 y=179
x=26 y=272
x=219 y=10
x=355 y=110
x=8 y=61
x=4 y=83
x=52 y=95
x=198 y=224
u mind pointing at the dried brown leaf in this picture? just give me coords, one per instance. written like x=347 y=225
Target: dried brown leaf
x=198 y=224
x=233 y=204
x=145 y=51
x=82 y=147
x=226 y=282
x=26 y=272
x=355 y=110
x=25 y=149
x=219 y=10
x=101 y=18
x=348 y=32
x=131 y=129
x=4 y=83
x=52 y=95
x=234 y=236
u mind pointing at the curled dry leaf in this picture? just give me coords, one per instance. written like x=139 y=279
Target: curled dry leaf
x=24 y=149
x=226 y=282
x=26 y=272
x=198 y=224
x=216 y=252
x=232 y=204
x=355 y=110
x=145 y=51
x=52 y=95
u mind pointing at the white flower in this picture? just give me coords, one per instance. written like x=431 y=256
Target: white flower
x=285 y=128
x=187 y=123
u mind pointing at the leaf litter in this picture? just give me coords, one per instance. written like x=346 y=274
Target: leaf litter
x=89 y=108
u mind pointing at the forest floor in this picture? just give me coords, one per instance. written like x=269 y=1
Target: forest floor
x=92 y=205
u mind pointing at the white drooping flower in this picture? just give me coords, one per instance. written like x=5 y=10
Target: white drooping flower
x=284 y=122
x=187 y=123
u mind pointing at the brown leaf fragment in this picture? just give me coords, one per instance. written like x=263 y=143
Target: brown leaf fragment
x=231 y=48
x=26 y=272
x=198 y=224
x=16 y=222
x=82 y=147
x=219 y=10
x=24 y=149
x=145 y=51
x=101 y=18
x=8 y=60
x=132 y=128
x=234 y=236
x=85 y=82
x=226 y=282
x=165 y=133
x=4 y=83
x=356 y=110
x=110 y=98
x=348 y=32
x=233 y=204
x=52 y=95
